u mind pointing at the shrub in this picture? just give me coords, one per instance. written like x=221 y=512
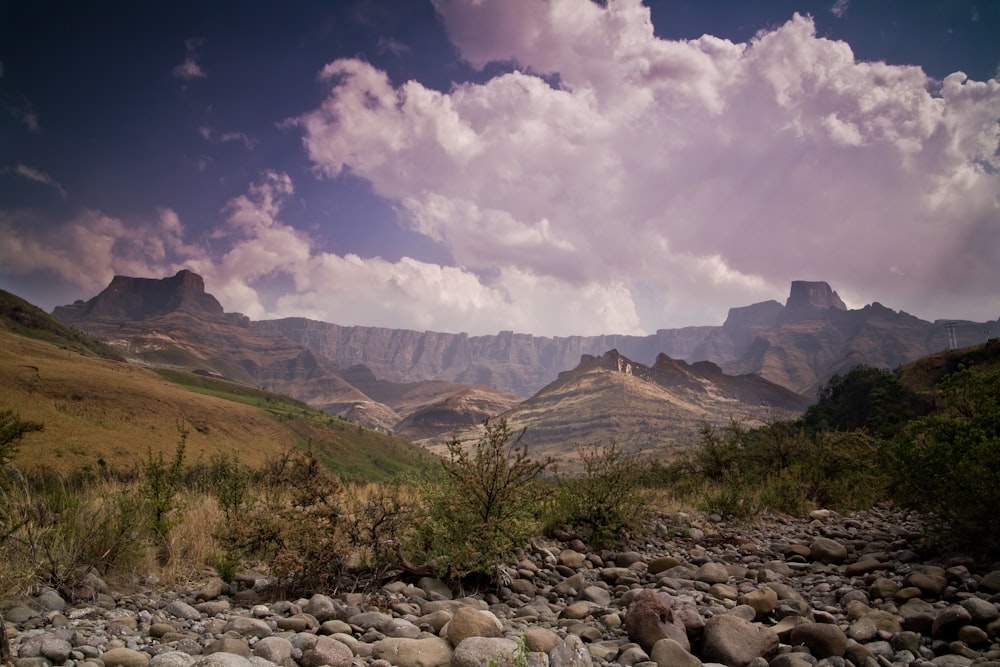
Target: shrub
x=161 y=483
x=606 y=503
x=297 y=528
x=485 y=504
x=948 y=464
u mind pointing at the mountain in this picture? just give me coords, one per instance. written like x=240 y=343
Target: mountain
x=654 y=410
x=173 y=323
x=799 y=344
x=101 y=413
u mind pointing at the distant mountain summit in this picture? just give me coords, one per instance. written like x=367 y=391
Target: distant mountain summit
x=134 y=299
x=807 y=298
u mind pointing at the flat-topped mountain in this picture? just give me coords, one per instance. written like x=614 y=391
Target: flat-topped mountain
x=430 y=383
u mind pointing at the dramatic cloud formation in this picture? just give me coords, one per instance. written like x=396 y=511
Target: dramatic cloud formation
x=657 y=165
x=581 y=175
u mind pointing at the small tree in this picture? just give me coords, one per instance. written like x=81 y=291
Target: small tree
x=486 y=504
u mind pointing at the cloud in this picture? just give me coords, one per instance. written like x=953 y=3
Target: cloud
x=37 y=176
x=208 y=134
x=91 y=248
x=190 y=69
x=20 y=108
x=679 y=175
x=392 y=45
x=839 y=8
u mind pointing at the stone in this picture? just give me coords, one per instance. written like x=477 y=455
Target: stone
x=228 y=645
x=970 y=634
x=478 y=651
x=124 y=657
x=321 y=607
x=468 y=622
x=736 y=642
x=275 y=649
x=991 y=582
x=650 y=618
x=662 y=564
x=712 y=573
x=222 y=659
x=328 y=651
x=883 y=588
x=56 y=650
x=981 y=611
x=181 y=609
x=171 y=659
x=947 y=624
x=668 y=653
x=571 y=558
x=211 y=589
x=570 y=652
x=822 y=639
x=245 y=626
x=402 y=652
x=540 y=640
x=825 y=550
x=930 y=585
x=862 y=566
x=435 y=588
x=599 y=596
x=576 y=610
x=763 y=601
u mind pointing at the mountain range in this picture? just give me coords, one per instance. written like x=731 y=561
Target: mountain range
x=766 y=356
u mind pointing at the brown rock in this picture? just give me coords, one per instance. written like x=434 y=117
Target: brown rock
x=469 y=622
x=825 y=550
x=823 y=639
x=763 y=601
x=328 y=651
x=651 y=618
x=736 y=642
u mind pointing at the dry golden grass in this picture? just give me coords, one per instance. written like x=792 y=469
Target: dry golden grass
x=96 y=409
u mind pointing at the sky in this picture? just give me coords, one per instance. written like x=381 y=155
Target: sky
x=553 y=167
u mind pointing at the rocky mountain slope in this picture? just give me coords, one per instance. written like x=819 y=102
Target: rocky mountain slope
x=799 y=345
x=654 y=410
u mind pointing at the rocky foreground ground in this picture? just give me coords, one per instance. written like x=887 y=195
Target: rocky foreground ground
x=829 y=590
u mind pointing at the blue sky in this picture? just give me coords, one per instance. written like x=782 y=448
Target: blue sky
x=556 y=168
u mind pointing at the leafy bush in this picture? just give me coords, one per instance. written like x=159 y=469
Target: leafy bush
x=948 y=463
x=606 y=503
x=485 y=504
x=296 y=528
x=864 y=398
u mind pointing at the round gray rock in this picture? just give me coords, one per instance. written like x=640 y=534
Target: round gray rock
x=736 y=642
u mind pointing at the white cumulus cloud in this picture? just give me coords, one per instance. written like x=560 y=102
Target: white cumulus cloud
x=676 y=175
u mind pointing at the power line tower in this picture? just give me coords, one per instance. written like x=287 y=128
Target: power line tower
x=952 y=338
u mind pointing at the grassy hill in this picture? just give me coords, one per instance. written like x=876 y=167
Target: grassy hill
x=98 y=410
x=923 y=375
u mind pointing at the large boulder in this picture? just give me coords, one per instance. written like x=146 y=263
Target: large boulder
x=328 y=651
x=468 y=622
x=736 y=642
x=651 y=618
x=477 y=651
x=402 y=652
x=823 y=640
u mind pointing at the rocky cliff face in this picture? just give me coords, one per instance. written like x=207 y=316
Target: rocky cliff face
x=656 y=409
x=798 y=345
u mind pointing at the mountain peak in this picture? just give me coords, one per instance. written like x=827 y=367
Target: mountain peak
x=812 y=295
x=128 y=298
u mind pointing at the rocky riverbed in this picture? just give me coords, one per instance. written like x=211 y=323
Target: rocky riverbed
x=829 y=591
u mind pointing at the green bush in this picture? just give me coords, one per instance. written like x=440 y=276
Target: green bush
x=485 y=504
x=606 y=504
x=948 y=464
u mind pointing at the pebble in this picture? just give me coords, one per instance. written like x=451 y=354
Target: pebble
x=828 y=591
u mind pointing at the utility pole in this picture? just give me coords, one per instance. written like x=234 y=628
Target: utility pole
x=952 y=338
